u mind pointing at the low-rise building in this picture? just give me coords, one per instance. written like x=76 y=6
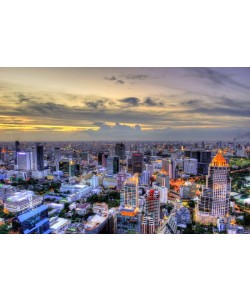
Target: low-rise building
x=59 y=225
x=20 y=201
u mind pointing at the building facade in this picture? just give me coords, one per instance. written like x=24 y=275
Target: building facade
x=215 y=196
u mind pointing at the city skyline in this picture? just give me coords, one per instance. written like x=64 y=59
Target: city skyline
x=142 y=104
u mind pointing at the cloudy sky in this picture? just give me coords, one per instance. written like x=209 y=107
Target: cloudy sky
x=57 y=104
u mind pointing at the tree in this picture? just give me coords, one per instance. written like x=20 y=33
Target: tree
x=4 y=229
x=191 y=204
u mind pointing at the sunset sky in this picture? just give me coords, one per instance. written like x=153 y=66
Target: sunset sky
x=57 y=104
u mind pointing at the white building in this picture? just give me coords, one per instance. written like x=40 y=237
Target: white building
x=21 y=201
x=24 y=161
x=145 y=178
x=59 y=225
x=163 y=192
x=93 y=181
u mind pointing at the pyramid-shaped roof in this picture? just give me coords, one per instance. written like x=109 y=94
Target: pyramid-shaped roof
x=219 y=160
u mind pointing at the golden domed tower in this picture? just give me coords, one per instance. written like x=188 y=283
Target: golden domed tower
x=215 y=197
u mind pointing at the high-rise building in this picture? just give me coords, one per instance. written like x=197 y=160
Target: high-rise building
x=215 y=197
x=99 y=156
x=129 y=192
x=24 y=161
x=64 y=166
x=17 y=148
x=163 y=180
x=137 y=162
x=57 y=157
x=121 y=177
x=85 y=156
x=113 y=165
x=128 y=220
x=120 y=150
x=38 y=157
x=104 y=159
x=145 y=177
x=190 y=166
x=152 y=205
x=147 y=225
x=203 y=158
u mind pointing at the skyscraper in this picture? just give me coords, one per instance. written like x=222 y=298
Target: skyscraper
x=129 y=192
x=24 y=161
x=120 y=150
x=147 y=225
x=203 y=158
x=215 y=197
x=137 y=162
x=17 y=148
x=113 y=165
x=152 y=205
x=38 y=157
x=145 y=177
x=190 y=166
x=57 y=157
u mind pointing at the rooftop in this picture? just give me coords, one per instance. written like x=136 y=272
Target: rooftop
x=219 y=160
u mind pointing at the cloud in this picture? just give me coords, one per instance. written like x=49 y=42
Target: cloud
x=216 y=78
x=135 y=77
x=115 y=79
x=151 y=102
x=131 y=100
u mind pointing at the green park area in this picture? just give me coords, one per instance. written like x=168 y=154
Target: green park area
x=240 y=162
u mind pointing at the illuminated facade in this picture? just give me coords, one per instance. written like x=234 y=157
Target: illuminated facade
x=128 y=220
x=152 y=205
x=129 y=193
x=148 y=225
x=215 y=197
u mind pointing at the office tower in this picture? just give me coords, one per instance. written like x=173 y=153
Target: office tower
x=113 y=165
x=74 y=168
x=64 y=166
x=163 y=180
x=202 y=145
x=57 y=154
x=145 y=177
x=215 y=197
x=17 y=148
x=57 y=157
x=85 y=156
x=152 y=205
x=165 y=165
x=24 y=161
x=121 y=177
x=203 y=158
x=104 y=160
x=128 y=220
x=129 y=192
x=219 y=144
x=35 y=221
x=190 y=166
x=120 y=150
x=38 y=157
x=147 y=225
x=137 y=162
x=99 y=156
x=149 y=168
x=129 y=165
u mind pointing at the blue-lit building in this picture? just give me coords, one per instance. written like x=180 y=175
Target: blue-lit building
x=35 y=221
